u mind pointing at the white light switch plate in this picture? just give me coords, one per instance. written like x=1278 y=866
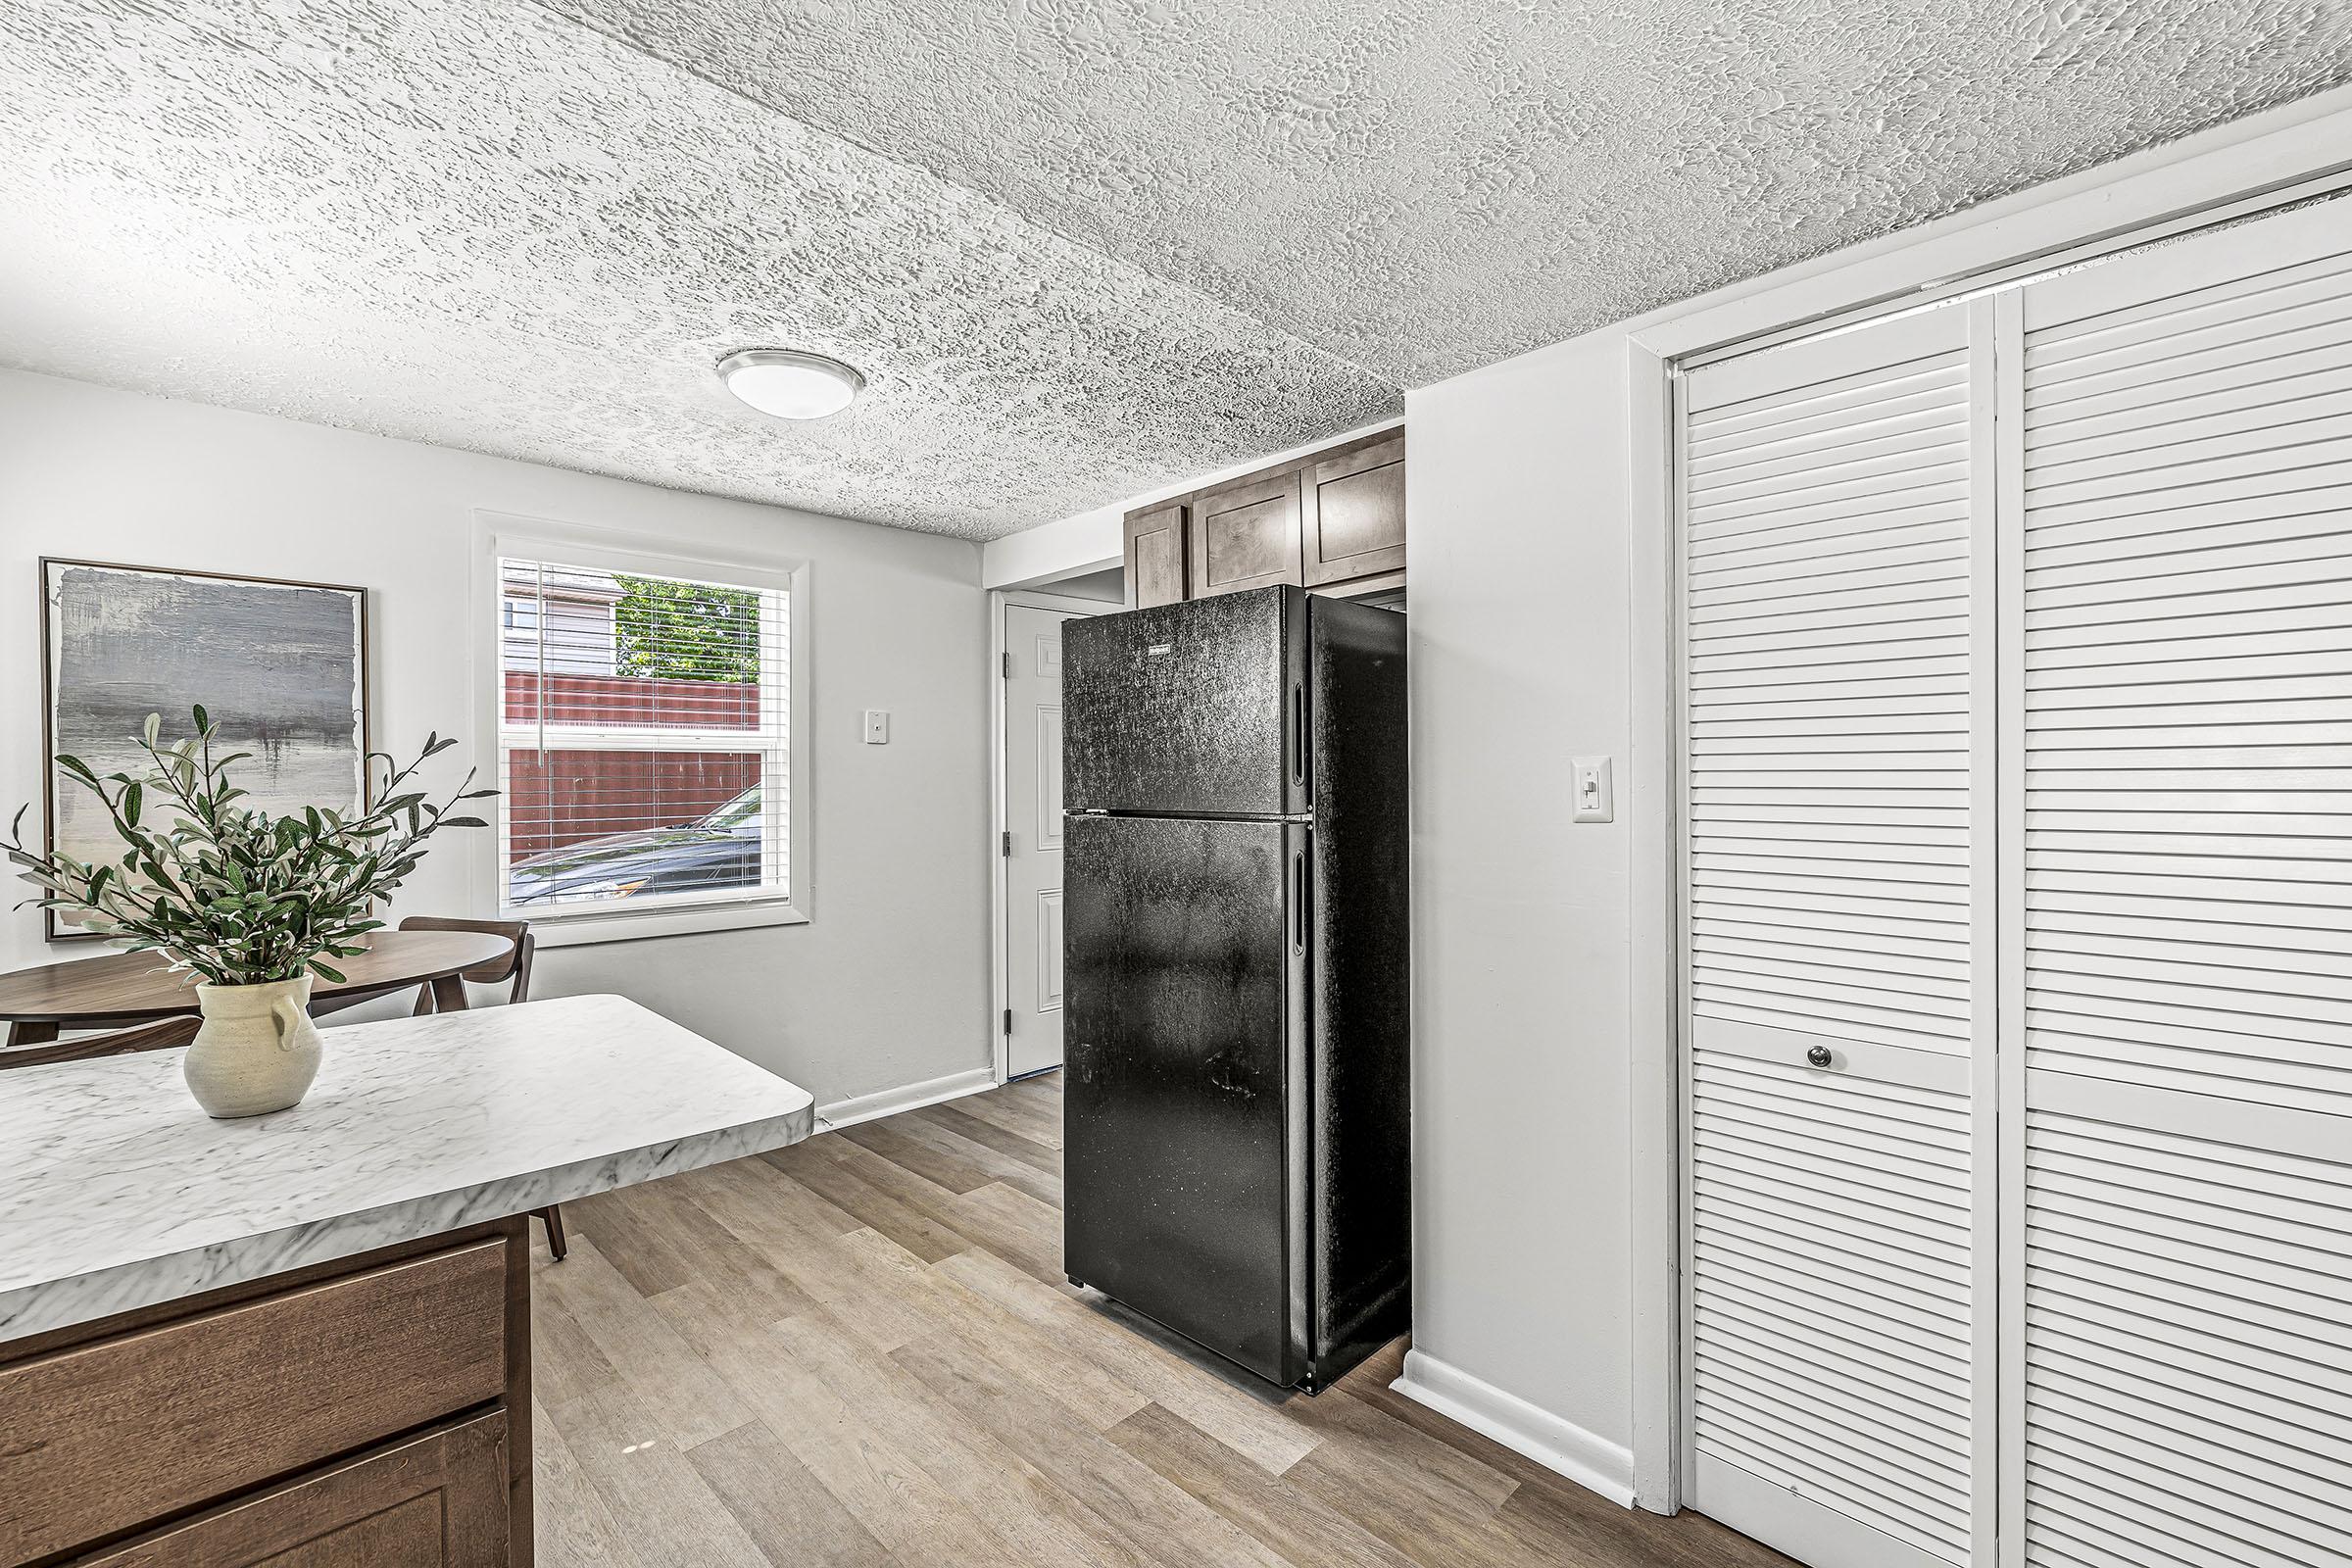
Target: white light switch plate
x=877 y=727
x=1595 y=796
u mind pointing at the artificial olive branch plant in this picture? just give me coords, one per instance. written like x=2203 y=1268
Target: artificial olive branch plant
x=236 y=895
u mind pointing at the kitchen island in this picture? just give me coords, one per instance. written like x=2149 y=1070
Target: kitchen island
x=305 y=1337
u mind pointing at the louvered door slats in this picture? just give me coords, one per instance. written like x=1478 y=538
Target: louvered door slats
x=2254 y=297
x=2178 y=511
x=2294 y=340
x=2183 y=905
x=2100 y=1424
x=2229 y=1351
x=2200 y=1384
x=2156 y=422
x=1833 y=688
x=2171 y=591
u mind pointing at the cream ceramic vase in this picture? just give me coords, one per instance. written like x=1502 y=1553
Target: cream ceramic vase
x=258 y=1050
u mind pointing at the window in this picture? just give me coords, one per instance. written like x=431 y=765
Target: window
x=643 y=740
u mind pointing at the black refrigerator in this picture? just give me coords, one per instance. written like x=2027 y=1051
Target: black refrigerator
x=1237 y=1141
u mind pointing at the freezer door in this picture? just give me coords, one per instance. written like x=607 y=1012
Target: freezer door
x=1195 y=709
x=1181 y=1141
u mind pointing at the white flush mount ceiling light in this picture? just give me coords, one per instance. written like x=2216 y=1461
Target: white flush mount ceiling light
x=790 y=385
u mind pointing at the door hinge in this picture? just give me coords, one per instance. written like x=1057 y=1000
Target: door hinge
x=1008 y=846
x=1008 y=1022
x=1006 y=668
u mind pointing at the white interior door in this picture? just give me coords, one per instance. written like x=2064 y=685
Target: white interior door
x=2018 y=648
x=1032 y=841
x=2178 y=1388
x=1839 y=1244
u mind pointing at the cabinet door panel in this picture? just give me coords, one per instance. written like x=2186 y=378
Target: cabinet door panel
x=1156 y=556
x=1353 y=514
x=434 y=1501
x=1246 y=536
x=219 y=1402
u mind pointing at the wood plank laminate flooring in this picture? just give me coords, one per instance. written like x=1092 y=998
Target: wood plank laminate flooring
x=860 y=1352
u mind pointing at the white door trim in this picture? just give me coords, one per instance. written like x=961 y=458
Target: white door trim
x=2113 y=207
x=1000 y=980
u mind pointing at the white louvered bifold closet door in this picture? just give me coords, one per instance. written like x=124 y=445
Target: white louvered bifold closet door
x=1838 y=915
x=2177 y=1205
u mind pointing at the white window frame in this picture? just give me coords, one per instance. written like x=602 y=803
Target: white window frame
x=500 y=536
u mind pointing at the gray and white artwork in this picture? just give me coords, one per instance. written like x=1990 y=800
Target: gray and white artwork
x=280 y=666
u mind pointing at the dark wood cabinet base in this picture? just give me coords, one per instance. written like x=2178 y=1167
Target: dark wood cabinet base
x=375 y=1409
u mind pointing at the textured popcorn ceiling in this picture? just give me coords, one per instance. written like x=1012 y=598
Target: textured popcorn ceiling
x=1078 y=248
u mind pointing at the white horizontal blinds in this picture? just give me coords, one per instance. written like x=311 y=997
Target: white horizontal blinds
x=2186 y=1367
x=643 y=738
x=1831 y=504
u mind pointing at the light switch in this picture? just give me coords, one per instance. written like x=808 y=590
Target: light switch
x=877 y=727
x=1595 y=796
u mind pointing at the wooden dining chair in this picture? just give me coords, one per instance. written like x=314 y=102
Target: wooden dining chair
x=161 y=1035
x=511 y=969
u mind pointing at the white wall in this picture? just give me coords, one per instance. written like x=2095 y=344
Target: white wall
x=1542 y=1028
x=1515 y=491
x=886 y=986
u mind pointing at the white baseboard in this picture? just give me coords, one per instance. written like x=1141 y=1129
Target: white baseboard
x=1591 y=1463
x=889 y=1101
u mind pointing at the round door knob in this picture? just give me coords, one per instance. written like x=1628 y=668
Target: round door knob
x=1819 y=1057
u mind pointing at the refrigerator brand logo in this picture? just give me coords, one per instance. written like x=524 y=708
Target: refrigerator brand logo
x=1158 y=648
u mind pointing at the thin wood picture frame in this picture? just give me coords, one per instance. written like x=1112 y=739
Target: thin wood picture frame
x=223 y=705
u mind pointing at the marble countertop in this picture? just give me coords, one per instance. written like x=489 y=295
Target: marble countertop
x=116 y=1191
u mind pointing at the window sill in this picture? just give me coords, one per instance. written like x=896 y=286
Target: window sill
x=586 y=928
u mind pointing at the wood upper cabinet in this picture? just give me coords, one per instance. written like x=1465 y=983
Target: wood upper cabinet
x=1156 y=556
x=1332 y=517
x=1352 y=513
x=1246 y=534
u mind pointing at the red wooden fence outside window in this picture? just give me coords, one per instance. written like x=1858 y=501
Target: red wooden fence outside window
x=626 y=702
x=569 y=797
x=558 y=798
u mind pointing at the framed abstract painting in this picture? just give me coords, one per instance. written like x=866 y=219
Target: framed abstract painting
x=281 y=667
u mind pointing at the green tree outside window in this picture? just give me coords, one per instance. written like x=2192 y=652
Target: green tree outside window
x=675 y=630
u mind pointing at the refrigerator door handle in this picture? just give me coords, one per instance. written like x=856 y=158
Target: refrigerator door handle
x=1298 y=734
x=1299 y=901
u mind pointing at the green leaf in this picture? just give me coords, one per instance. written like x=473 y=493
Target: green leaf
x=152 y=728
x=202 y=723
x=232 y=893
x=326 y=971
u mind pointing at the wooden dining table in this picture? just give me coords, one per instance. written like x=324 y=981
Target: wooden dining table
x=129 y=988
